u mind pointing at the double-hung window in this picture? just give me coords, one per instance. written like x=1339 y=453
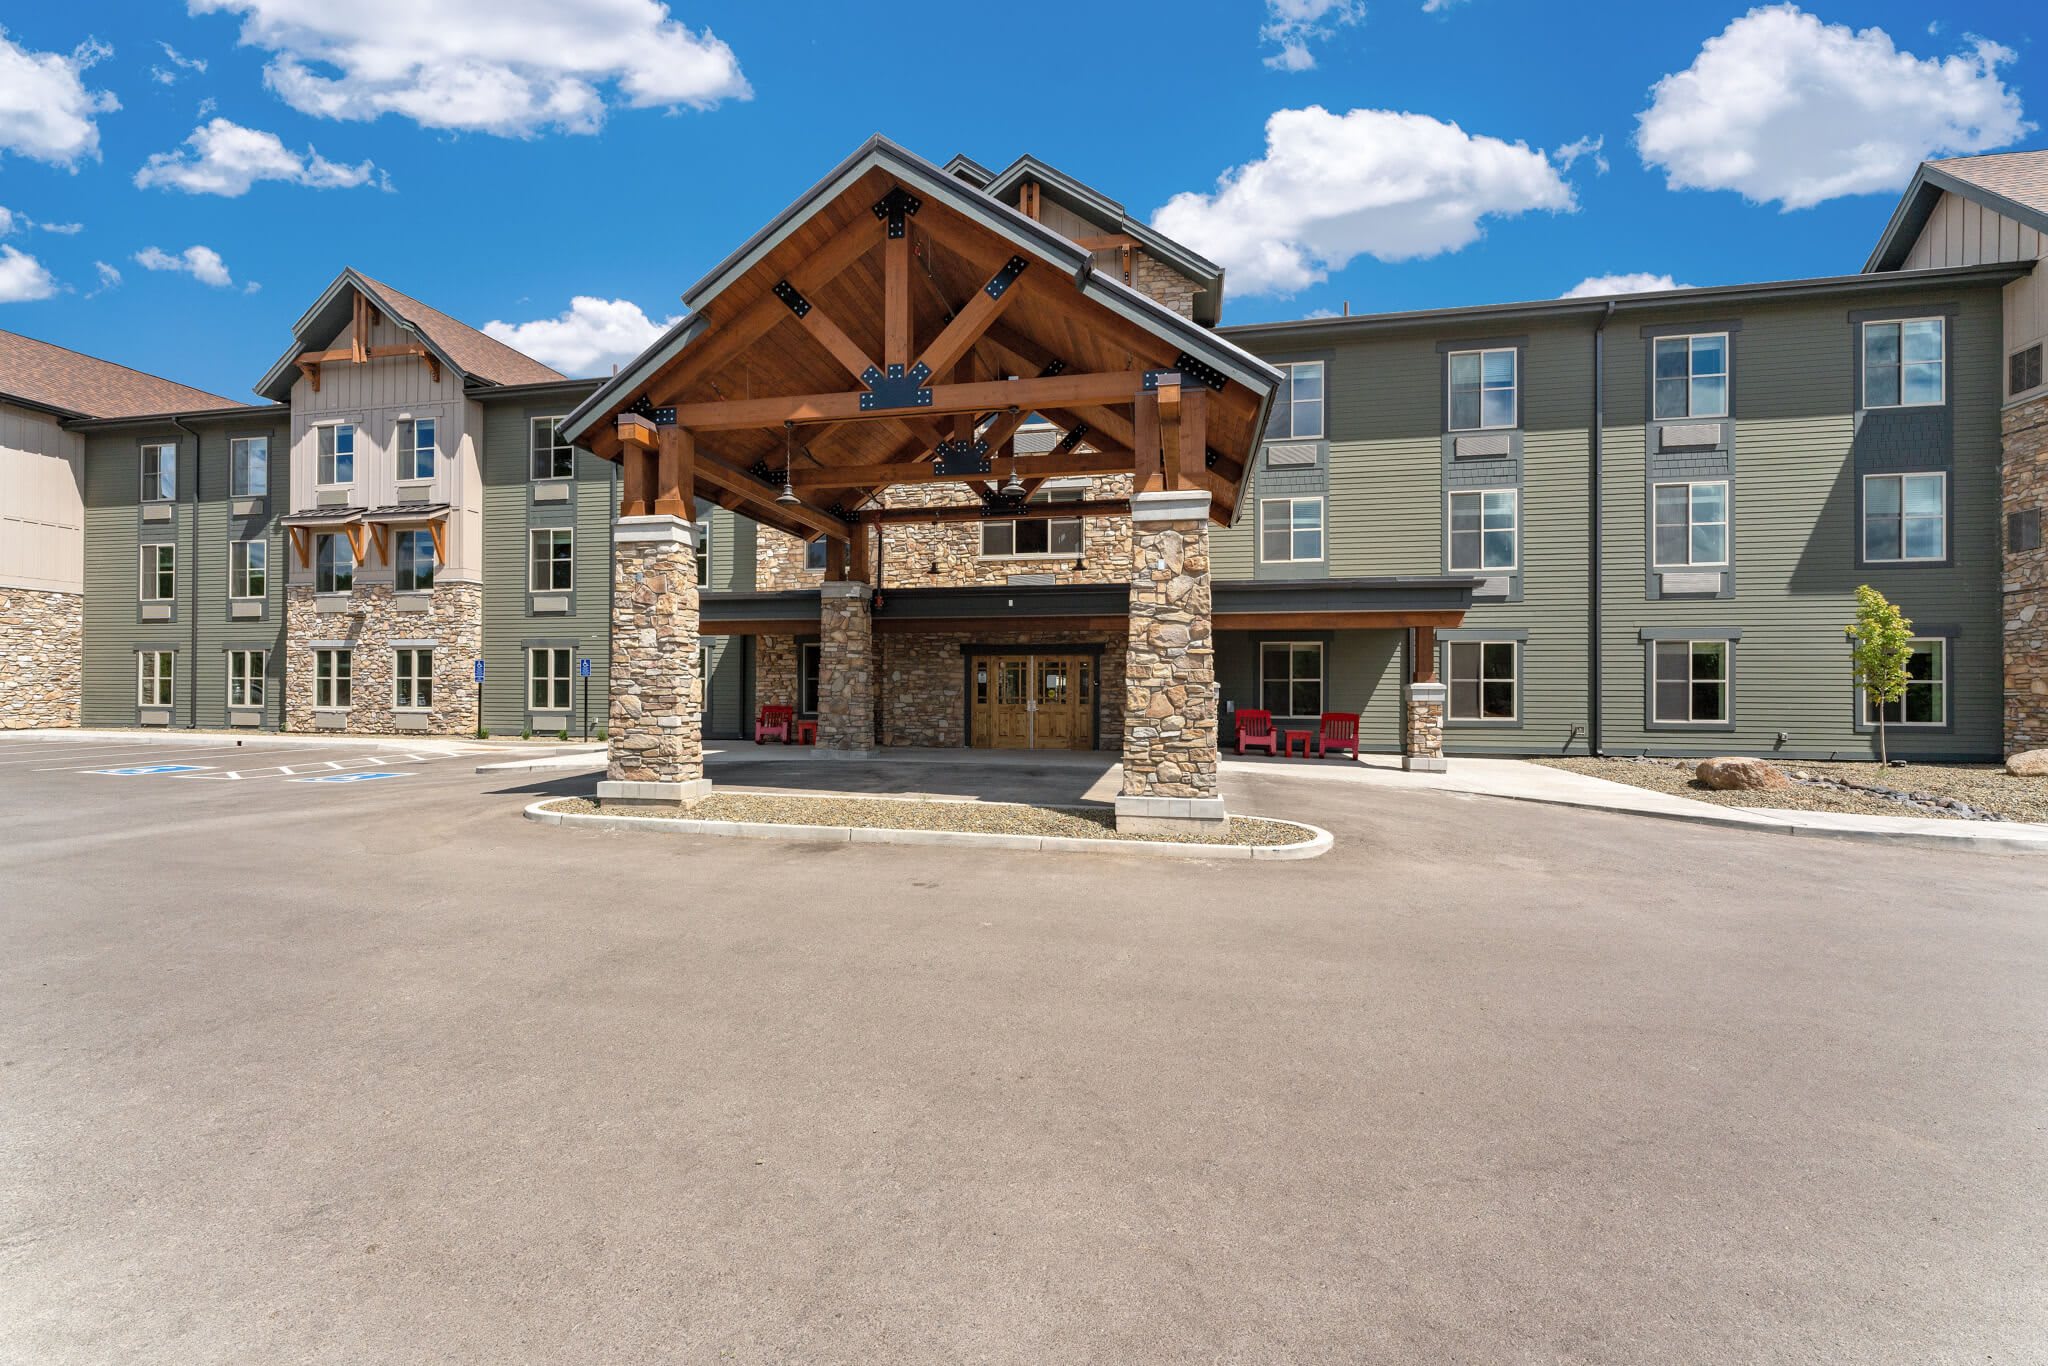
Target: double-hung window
x=334 y=564
x=1926 y=699
x=553 y=458
x=1290 y=530
x=548 y=672
x=1291 y=677
x=332 y=670
x=1905 y=363
x=335 y=454
x=412 y=679
x=1905 y=517
x=1484 y=390
x=1692 y=376
x=416 y=448
x=248 y=466
x=159 y=473
x=1692 y=524
x=159 y=573
x=1483 y=527
x=1298 y=404
x=245 y=677
x=154 y=673
x=248 y=568
x=704 y=553
x=415 y=560
x=551 y=560
x=1050 y=537
x=1690 y=683
x=1482 y=677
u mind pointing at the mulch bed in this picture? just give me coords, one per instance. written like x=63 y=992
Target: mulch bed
x=1987 y=787
x=980 y=818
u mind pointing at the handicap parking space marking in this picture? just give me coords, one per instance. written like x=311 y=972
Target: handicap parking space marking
x=357 y=777
x=143 y=770
x=297 y=772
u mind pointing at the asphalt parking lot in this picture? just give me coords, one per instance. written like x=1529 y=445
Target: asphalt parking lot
x=376 y=1071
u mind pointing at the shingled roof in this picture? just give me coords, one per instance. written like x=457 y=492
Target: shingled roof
x=79 y=385
x=476 y=355
x=2014 y=184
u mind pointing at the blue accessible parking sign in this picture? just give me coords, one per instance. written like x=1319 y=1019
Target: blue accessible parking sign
x=583 y=667
x=479 y=671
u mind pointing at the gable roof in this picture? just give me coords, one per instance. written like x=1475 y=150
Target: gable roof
x=2014 y=184
x=77 y=385
x=477 y=358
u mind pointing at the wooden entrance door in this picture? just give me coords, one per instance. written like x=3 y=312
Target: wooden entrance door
x=1033 y=702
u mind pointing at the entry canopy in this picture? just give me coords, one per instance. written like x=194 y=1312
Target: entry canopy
x=896 y=325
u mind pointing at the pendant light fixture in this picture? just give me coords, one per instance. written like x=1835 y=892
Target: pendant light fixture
x=788 y=496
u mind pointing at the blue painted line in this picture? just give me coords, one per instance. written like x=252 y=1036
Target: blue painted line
x=145 y=770
x=348 y=777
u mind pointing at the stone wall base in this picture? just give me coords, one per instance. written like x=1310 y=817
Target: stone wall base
x=2025 y=580
x=453 y=621
x=42 y=650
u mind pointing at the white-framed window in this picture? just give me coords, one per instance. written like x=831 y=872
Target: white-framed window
x=1291 y=677
x=1298 y=403
x=412 y=678
x=1691 y=376
x=551 y=560
x=1484 y=523
x=1905 y=517
x=1905 y=363
x=807 y=655
x=416 y=448
x=1926 y=699
x=155 y=671
x=332 y=670
x=1290 y=530
x=1483 y=677
x=1691 y=524
x=414 y=556
x=548 y=673
x=334 y=564
x=248 y=568
x=1690 y=682
x=704 y=553
x=248 y=466
x=553 y=458
x=159 y=472
x=814 y=554
x=1051 y=538
x=335 y=454
x=159 y=573
x=1484 y=389
x=245 y=677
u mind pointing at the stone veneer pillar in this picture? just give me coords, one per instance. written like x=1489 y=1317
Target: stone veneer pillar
x=656 y=725
x=42 y=649
x=2025 y=580
x=1422 y=743
x=846 y=669
x=1170 y=774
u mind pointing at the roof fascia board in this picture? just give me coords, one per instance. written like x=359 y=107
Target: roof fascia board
x=636 y=373
x=281 y=370
x=253 y=412
x=1183 y=259
x=1916 y=207
x=1202 y=342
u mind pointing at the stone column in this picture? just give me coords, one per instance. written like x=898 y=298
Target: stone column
x=1422 y=747
x=846 y=670
x=2025 y=581
x=657 y=743
x=1170 y=777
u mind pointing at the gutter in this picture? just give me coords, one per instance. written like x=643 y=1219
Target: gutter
x=1596 y=478
x=192 y=574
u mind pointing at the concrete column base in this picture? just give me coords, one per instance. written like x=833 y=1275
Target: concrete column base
x=819 y=752
x=1425 y=763
x=678 y=795
x=1170 y=815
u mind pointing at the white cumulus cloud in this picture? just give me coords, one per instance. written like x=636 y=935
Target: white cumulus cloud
x=46 y=111
x=179 y=63
x=512 y=67
x=110 y=278
x=23 y=278
x=1634 y=282
x=201 y=263
x=1372 y=182
x=1783 y=108
x=224 y=158
x=1294 y=24
x=589 y=338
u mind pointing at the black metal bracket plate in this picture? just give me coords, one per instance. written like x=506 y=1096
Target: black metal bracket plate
x=789 y=294
x=643 y=406
x=895 y=389
x=1001 y=281
x=895 y=207
x=1155 y=378
x=1072 y=439
x=1200 y=372
x=962 y=457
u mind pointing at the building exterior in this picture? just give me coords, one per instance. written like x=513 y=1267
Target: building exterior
x=1628 y=525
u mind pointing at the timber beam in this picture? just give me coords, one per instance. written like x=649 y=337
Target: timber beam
x=1111 y=387
x=997 y=511
x=1113 y=460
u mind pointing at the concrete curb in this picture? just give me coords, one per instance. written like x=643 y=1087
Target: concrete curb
x=586 y=759
x=846 y=834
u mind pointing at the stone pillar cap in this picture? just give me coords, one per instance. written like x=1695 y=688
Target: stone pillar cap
x=661 y=529
x=845 y=588
x=1176 y=505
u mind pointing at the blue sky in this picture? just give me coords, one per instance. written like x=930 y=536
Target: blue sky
x=1440 y=170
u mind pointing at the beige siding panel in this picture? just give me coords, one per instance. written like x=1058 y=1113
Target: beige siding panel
x=42 y=503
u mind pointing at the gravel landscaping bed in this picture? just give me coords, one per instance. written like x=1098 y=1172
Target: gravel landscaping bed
x=1987 y=788
x=980 y=818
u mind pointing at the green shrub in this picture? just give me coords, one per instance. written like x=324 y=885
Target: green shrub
x=564 y=735
x=483 y=732
x=601 y=734
x=526 y=734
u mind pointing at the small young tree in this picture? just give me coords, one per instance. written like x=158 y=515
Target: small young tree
x=1880 y=646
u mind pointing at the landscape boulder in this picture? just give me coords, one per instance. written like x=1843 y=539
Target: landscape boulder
x=1741 y=775
x=2032 y=763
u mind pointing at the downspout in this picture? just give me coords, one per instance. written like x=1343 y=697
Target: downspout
x=192 y=576
x=1593 y=600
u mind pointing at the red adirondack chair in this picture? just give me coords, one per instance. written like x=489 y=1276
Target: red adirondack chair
x=1339 y=732
x=1255 y=731
x=773 y=723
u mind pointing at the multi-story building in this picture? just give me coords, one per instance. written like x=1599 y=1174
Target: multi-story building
x=1646 y=514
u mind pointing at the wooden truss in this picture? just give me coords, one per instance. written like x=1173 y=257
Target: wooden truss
x=359 y=351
